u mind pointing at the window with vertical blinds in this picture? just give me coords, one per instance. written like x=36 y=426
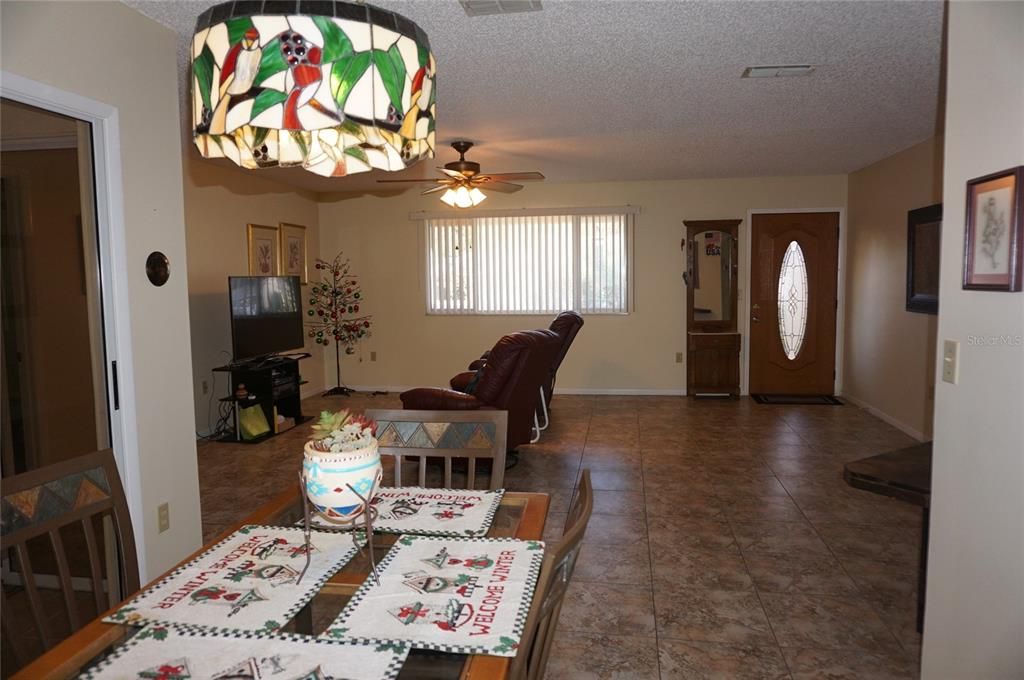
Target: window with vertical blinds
x=529 y=263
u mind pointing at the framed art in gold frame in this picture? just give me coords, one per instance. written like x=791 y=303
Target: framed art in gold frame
x=994 y=237
x=293 y=251
x=264 y=250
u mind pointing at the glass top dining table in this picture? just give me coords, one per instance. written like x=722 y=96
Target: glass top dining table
x=520 y=515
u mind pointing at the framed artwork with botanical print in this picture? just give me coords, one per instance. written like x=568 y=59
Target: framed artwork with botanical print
x=293 y=251
x=264 y=251
x=994 y=242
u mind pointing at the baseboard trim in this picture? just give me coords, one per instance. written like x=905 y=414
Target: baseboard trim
x=883 y=416
x=579 y=391
x=624 y=392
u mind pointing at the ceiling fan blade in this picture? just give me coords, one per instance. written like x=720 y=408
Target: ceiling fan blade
x=443 y=187
x=503 y=187
x=518 y=176
x=413 y=181
x=454 y=174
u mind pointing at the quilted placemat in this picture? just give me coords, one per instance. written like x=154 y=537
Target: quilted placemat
x=464 y=595
x=171 y=652
x=430 y=512
x=245 y=582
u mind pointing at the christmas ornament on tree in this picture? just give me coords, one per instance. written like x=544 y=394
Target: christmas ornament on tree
x=333 y=313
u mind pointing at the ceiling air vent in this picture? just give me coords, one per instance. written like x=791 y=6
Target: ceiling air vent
x=786 y=71
x=479 y=8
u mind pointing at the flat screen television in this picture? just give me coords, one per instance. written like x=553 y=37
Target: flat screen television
x=266 y=315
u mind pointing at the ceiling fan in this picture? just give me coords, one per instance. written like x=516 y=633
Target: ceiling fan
x=462 y=180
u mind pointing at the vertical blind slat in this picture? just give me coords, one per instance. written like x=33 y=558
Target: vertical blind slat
x=528 y=264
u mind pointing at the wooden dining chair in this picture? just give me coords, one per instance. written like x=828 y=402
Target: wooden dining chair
x=61 y=503
x=556 y=571
x=448 y=435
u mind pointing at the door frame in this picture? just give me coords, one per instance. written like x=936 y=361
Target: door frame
x=114 y=267
x=746 y=241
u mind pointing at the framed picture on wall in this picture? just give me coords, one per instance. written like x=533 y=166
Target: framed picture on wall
x=293 y=251
x=993 y=242
x=924 y=237
x=264 y=252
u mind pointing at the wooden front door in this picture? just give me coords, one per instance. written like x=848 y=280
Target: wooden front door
x=793 y=276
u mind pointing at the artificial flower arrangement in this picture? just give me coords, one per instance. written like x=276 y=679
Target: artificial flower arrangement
x=342 y=432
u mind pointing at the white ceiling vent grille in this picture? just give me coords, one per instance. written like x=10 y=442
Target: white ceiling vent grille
x=479 y=8
x=785 y=71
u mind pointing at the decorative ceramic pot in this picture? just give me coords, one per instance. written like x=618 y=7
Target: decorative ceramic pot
x=327 y=475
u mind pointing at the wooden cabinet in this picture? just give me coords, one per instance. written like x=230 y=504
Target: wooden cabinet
x=712 y=343
x=713 y=364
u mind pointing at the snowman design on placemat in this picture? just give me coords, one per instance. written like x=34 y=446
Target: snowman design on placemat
x=268 y=549
x=175 y=669
x=443 y=559
x=422 y=582
x=274 y=574
x=449 y=617
x=236 y=599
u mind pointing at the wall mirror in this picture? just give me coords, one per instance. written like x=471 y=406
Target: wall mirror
x=711 y=270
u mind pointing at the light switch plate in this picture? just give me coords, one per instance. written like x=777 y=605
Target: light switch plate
x=163 y=517
x=950 y=361
x=679 y=357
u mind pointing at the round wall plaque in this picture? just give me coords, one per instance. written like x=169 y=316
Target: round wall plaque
x=158 y=268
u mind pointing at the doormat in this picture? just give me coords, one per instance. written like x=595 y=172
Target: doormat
x=799 y=399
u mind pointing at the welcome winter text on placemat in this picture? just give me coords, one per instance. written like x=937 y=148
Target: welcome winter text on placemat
x=463 y=595
x=431 y=512
x=248 y=581
x=168 y=652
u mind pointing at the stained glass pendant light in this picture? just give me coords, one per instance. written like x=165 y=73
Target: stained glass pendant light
x=333 y=87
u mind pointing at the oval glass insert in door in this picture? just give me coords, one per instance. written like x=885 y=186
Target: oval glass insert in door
x=793 y=298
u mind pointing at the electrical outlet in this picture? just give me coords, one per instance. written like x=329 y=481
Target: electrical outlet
x=679 y=357
x=950 y=361
x=163 y=517
x=373 y=356
x=206 y=387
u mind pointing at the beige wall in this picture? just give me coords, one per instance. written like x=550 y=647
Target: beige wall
x=635 y=352
x=112 y=54
x=974 y=617
x=890 y=352
x=219 y=203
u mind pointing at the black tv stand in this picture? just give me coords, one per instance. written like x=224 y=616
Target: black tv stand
x=272 y=383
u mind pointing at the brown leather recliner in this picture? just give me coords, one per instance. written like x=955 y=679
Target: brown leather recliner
x=566 y=325
x=517 y=366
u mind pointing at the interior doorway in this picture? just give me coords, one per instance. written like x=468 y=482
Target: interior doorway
x=53 y=392
x=794 y=264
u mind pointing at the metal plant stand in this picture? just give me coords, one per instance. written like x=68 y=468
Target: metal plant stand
x=369 y=516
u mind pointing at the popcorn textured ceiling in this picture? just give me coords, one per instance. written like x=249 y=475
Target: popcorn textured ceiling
x=612 y=90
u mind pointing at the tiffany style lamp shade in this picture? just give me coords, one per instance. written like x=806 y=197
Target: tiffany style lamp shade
x=334 y=87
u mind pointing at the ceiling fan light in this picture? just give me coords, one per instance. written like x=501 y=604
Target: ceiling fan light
x=477 y=196
x=448 y=198
x=463 y=199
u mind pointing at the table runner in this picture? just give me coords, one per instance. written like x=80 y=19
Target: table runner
x=465 y=595
x=172 y=652
x=245 y=582
x=430 y=512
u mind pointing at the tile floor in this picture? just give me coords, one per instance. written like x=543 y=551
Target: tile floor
x=724 y=542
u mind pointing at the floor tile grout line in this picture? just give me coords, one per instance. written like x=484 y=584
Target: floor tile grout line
x=650 y=564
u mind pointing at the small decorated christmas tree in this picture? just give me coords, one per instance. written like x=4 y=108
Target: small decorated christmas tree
x=334 y=312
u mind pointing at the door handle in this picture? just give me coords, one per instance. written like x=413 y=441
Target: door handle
x=754 y=319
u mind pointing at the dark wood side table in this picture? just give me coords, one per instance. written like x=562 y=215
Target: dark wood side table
x=905 y=474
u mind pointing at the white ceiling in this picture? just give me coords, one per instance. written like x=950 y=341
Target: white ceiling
x=615 y=90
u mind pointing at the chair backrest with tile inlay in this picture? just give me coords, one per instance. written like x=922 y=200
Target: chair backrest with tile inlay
x=444 y=434
x=69 y=495
x=555 y=574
